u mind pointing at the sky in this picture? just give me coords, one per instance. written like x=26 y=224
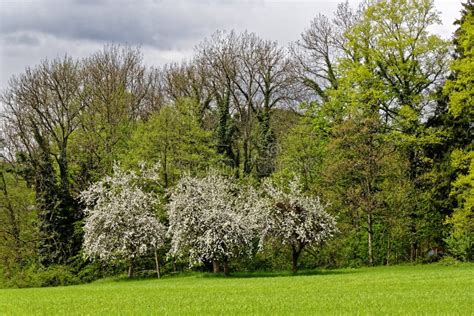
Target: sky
x=166 y=30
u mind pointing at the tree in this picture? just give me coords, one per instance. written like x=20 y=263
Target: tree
x=209 y=220
x=321 y=46
x=118 y=92
x=460 y=91
x=398 y=67
x=359 y=163
x=460 y=86
x=65 y=121
x=216 y=58
x=249 y=77
x=188 y=80
x=276 y=87
x=461 y=238
x=42 y=110
x=293 y=218
x=174 y=138
x=121 y=218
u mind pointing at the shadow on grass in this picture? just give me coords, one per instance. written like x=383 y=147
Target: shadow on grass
x=278 y=274
x=233 y=275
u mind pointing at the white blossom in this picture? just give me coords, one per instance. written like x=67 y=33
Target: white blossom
x=208 y=219
x=293 y=218
x=121 y=219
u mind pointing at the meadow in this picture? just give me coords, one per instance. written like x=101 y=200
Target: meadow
x=402 y=290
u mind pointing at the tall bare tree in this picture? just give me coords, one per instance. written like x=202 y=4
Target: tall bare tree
x=43 y=107
x=249 y=77
x=187 y=80
x=119 y=92
x=216 y=57
x=319 y=48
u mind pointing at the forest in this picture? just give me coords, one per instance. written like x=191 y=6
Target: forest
x=351 y=146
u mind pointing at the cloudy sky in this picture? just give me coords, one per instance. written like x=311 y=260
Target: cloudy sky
x=167 y=30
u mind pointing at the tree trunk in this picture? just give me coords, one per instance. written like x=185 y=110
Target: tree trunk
x=174 y=264
x=389 y=246
x=295 y=253
x=157 y=261
x=226 y=268
x=215 y=266
x=246 y=157
x=414 y=251
x=165 y=169
x=370 y=238
x=63 y=171
x=130 y=269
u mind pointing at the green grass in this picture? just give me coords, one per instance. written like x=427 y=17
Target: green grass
x=428 y=289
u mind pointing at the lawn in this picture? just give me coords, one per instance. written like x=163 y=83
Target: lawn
x=423 y=289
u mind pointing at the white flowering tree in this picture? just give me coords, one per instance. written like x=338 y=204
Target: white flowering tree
x=121 y=220
x=208 y=220
x=293 y=218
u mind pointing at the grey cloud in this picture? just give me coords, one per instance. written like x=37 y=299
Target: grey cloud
x=162 y=24
x=21 y=39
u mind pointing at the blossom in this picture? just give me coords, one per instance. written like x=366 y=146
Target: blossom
x=121 y=219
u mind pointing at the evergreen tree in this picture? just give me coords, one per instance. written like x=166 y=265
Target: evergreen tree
x=460 y=91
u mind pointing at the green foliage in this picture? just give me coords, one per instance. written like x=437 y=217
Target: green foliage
x=266 y=146
x=449 y=261
x=392 y=75
x=461 y=239
x=460 y=91
x=302 y=153
x=460 y=88
x=363 y=174
x=18 y=218
x=33 y=276
x=393 y=43
x=174 y=138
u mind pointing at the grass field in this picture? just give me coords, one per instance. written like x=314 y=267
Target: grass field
x=428 y=289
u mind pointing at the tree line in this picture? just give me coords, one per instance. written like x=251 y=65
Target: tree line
x=369 y=110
